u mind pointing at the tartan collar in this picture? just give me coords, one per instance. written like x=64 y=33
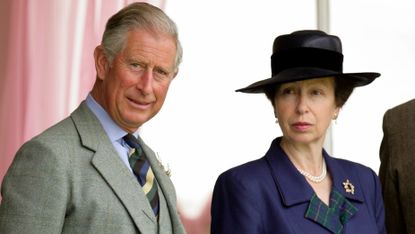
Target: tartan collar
x=294 y=188
x=334 y=216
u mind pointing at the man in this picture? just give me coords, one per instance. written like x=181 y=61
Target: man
x=77 y=176
x=397 y=154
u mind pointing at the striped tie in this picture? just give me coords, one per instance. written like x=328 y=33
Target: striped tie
x=142 y=170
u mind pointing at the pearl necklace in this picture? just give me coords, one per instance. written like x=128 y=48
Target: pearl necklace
x=315 y=179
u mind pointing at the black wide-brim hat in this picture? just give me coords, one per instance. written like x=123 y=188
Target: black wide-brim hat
x=304 y=55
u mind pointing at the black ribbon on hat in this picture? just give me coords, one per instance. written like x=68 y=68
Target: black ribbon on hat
x=306 y=57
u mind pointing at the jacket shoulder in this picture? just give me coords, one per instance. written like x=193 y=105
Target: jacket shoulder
x=355 y=167
x=394 y=117
x=245 y=170
x=402 y=109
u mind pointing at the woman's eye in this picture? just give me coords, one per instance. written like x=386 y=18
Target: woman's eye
x=287 y=91
x=317 y=92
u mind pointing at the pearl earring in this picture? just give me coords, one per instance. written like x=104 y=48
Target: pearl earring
x=335 y=118
x=276 y=118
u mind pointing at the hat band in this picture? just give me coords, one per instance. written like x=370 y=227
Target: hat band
x=306 y=57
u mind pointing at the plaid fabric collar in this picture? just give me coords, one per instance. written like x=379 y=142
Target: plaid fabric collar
x=334 y=216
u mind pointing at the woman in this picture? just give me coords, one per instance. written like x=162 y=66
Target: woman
x=297 y=187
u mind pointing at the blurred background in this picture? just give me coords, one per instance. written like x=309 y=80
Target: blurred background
x=204 y=128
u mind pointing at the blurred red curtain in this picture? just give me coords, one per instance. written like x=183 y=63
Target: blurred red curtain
x=47 y=65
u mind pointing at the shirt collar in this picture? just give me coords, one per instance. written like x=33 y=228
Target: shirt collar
x=294 y=188
x=114 y=132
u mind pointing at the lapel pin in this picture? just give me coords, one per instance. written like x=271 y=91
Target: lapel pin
x=349 y=187
x=165 y=168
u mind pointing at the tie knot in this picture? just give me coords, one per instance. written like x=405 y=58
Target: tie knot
x=131 y=140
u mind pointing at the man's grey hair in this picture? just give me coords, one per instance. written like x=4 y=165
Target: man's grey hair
x=138 y=15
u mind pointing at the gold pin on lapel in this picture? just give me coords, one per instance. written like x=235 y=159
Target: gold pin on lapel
x=349 y=187
x=165 y=168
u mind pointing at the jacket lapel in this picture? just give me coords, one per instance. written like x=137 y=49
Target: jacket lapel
x=292 y=186
x=111 y=168
x=167 y=188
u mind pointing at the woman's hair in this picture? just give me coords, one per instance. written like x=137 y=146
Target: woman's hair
x=342 y=91
x=137 y=15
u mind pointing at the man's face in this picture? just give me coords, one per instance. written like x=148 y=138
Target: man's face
x=134 y=87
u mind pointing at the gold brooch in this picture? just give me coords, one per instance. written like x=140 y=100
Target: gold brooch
x=349 y=187
x=165 y=168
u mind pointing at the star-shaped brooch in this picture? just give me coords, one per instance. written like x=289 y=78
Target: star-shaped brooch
x=349 y=187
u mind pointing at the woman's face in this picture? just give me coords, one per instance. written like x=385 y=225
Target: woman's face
x=305 y=109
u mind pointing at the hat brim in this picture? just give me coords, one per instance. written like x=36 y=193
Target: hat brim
x=306 y=73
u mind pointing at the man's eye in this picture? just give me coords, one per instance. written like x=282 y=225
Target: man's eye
x=161 y=74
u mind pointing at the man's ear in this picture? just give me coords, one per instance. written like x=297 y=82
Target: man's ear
x=175 y=73
x=101 y=62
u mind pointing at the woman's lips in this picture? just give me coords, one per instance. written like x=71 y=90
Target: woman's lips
x=301 y=126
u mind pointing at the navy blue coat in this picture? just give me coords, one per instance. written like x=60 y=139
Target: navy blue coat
x=269 y=195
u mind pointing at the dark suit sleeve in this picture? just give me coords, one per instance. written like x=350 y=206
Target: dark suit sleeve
x=34 y=192
x=394 y=218
x=234 y=209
